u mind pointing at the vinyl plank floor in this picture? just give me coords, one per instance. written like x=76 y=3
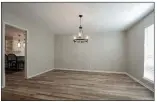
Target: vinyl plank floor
x=74 y=85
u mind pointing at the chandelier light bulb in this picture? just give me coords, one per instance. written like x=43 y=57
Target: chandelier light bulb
x=87 y=37
x=74 y=37
x=79 y=34
x=18 y=44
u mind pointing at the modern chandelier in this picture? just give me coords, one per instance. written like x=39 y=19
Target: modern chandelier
x=80 y=38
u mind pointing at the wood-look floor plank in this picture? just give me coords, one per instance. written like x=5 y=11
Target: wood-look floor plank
x=74 y=85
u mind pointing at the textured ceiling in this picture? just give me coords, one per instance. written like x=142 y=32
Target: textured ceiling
x=62 y=18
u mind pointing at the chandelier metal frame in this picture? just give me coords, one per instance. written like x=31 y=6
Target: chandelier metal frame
x=80 y=38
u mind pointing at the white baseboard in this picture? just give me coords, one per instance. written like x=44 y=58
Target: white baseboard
x=39 y=73
x=135 y=79
x=90 y=70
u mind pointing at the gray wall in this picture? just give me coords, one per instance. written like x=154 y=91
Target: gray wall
x=40 y=48
x=135 y=49
x=104 y=52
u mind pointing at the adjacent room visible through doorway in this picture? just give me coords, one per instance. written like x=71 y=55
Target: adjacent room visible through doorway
x=15 y=53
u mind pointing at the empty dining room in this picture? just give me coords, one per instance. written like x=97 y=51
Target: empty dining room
x=82 y=51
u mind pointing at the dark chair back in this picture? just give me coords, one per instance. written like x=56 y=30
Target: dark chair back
x=12 y=57
x=12 y=61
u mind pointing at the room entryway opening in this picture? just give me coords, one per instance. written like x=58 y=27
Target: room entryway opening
x=15 y=53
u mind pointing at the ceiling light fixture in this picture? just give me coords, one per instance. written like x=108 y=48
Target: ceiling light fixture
x=18 y=44
x=80 y=38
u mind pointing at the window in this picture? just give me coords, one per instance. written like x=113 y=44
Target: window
x=149 y=53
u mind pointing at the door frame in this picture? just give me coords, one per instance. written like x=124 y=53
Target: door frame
x=3 y=51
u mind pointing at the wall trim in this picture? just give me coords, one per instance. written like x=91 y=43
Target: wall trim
x=135 y=79
x=90 y=70
x=39 y=73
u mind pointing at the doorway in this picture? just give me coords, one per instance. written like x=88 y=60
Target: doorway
x=15 y=53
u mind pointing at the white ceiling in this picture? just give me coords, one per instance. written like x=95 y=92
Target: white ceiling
x=62 y=18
